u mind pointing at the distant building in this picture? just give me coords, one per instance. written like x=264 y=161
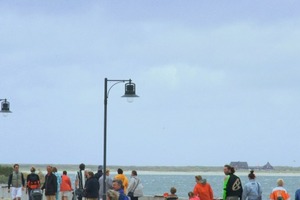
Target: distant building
x=239 y=165
x=268 y=166
x=244 y=165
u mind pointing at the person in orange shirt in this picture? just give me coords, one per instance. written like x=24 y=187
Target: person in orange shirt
x=65 y=186
x=203 y=189
x=279 y=193
x=123 y=178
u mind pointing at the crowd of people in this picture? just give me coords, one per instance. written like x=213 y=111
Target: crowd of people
x=90 y=186
x=233 y=189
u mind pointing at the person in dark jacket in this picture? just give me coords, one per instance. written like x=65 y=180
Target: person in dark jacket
x=99 y=172
x=50 y=185
x=91 y=187
x=233 y=189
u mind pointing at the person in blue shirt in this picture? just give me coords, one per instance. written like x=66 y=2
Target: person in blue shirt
x=297 y=194
x=118 y=186
x=252 y=189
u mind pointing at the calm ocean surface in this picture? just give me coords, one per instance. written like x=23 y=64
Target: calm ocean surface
x=157 y=184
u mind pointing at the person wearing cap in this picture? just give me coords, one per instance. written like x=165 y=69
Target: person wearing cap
x=108 y=181
x=203 y=189
x=123 y=178
x=99 y=172
x=279 y=192
x=252 y=189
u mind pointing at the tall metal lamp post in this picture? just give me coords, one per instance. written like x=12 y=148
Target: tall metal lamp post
x=129 y=93
x=4 y=106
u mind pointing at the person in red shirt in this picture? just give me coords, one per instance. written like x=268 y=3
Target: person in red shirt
x=65 y=186
x=203 y=189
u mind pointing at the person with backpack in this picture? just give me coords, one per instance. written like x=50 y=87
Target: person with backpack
x=279 y=192
x=16 y=183
x=33 y=182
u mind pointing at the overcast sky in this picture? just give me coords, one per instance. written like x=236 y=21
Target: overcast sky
x=218 y=81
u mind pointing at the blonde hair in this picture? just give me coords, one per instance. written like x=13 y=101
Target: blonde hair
x=280 y=182
x=112 y=194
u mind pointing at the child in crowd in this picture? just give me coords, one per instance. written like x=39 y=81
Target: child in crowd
x=192 y=196
x=173 y=195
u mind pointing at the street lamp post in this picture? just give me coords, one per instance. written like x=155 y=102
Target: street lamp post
x=4 y=106
x=129 y=93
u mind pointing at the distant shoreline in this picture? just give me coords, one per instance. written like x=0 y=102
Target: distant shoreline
x=168 y=170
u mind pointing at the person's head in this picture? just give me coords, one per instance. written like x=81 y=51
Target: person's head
x=82 y=166
x=117 y=184
x=64 y=172
x=32 y=169
x=90 y=174
x=280 y=182
x=54 y=169
x=198 y=178
x=16 y=167
x=120 y=171
x=173 y=190
x=49 y=169
x=86 y=171
x=107 y=172
x=133 y=173
x=251 y=175
x=100 y=168
x=228 y=169
x=191 y=194
x=112 y=195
